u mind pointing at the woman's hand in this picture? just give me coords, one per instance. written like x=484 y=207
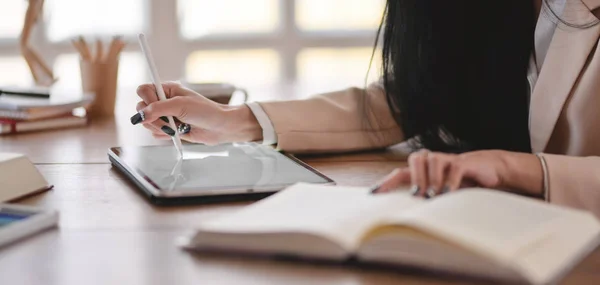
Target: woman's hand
x=433 y=173
x=211 y=123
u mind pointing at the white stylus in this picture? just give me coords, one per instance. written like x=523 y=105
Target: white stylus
x=159 y=89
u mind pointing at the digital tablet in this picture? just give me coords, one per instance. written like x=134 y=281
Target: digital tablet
x=240 y=171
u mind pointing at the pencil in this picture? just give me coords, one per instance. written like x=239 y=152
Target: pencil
x=116 y=45
x=87 y=55
x=75 y=44
x=111 y=49
x=99 y=51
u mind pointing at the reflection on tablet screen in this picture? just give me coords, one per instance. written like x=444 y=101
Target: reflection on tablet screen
x=191 y=154
x=216 y=167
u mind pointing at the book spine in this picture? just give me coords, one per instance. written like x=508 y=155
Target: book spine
x=12 y=124
x=18 y=115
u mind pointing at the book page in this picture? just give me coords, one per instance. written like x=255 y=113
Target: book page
x=490 y=222
x=341 y=214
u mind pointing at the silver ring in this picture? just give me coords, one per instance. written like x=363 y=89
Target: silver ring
x=431 y=192
x=414 y=190
x=184 y=128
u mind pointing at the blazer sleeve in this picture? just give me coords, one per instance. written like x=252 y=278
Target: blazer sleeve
x=347 y=120
x=574 y=181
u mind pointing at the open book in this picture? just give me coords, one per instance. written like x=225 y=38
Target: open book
x=478 y=232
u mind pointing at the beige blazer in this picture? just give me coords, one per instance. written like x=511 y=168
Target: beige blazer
x=564 y=116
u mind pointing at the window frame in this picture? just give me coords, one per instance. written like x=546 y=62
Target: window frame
x=165 y=38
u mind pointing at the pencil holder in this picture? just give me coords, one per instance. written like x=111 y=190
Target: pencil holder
x=100 y=78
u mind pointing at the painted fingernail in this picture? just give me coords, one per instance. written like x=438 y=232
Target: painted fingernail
x=184 y=128
x=446 y=189
x=430 y=193
x=138 y=118
x=414 y=190
x=164 y=119
x=167 y=130
x=375 y=188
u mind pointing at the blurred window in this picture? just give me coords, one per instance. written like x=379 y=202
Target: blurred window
x=12 y=13
x=245 y=42
x=241 y=67
x=200 y=18
x=347 y=15
x=322 y=69
x=14 y=71
x=70 y=18
x=132 y=70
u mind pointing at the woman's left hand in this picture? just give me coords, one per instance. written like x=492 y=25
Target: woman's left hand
x=433 y=173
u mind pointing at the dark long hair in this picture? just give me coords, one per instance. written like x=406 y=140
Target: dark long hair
x=455 y=72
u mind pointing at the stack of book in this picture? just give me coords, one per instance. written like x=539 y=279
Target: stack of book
x=26 y=110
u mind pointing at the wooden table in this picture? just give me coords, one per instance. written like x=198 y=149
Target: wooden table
x=110 y=234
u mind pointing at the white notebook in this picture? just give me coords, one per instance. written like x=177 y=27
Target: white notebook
x=479 y=232
x=33 y=108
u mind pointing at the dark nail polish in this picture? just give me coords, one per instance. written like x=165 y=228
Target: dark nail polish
x=137 y=118
x=446 y=189
x=374 y=189
x=167 y=130
x=164 y=119
x=414 y=190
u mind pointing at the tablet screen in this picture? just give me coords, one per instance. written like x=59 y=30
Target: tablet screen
x=230 y=166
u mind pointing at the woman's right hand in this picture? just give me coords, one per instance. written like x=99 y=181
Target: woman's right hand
x=211 y=122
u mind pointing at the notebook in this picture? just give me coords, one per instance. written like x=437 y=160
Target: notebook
x=35 y=91
x=32 y=107
x=19 y=177
x=478 y=232
x=10 y=126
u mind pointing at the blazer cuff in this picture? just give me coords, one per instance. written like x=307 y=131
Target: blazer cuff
x=268 y=131
x=545 y=182
x=574 y=181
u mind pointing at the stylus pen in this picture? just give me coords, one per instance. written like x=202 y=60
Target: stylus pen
x=159 y=89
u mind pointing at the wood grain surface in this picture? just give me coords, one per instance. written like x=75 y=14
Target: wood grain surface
x=110 y=234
